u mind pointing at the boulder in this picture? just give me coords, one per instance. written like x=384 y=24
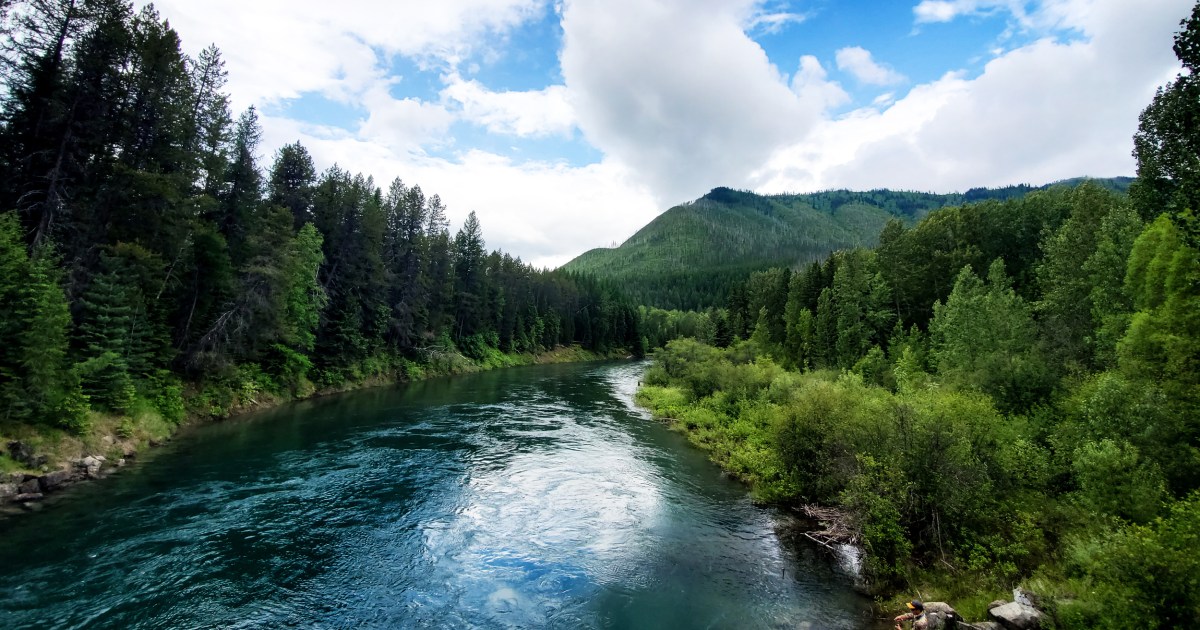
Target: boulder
x=7 y=491
x=940 y=615
x=91 y=466
x=23 y=453
x=29 y=496
x=54 y=480
x=29 y=486
x=1022 y=596
x=1016 y=616
x=995 y=603
x=20 y=451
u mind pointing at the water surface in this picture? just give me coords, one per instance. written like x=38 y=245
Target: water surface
x=521 y=498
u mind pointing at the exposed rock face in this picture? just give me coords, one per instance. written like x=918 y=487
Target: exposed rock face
x=29 y=486
x=1016 y=616
x=7 y=491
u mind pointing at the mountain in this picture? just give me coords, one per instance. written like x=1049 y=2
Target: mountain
x=689 y=256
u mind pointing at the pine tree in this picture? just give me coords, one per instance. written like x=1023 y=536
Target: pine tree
x=292 y=183
x=210 y=120
x=468 y=278
x=241 y=191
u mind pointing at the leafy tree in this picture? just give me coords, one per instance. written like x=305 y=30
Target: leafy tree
x=1068 y=314
x=983 y=337
x=1168 y=141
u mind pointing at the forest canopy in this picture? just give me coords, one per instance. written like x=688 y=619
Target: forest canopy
x=144 y=245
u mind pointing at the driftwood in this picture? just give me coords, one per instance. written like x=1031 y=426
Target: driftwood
x=837 y=527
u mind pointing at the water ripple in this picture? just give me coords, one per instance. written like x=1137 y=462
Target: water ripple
x=527 y=499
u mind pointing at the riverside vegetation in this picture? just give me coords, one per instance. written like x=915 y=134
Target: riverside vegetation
x=1002 y=392
x=149 y=268
x=1005 y=393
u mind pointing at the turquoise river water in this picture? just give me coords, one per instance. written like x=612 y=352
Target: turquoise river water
x=535 y=497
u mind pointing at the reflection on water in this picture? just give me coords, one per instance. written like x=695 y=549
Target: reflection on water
x=522 y=498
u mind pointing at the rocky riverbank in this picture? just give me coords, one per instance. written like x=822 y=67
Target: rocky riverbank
x=37 y=464
x=24 y=490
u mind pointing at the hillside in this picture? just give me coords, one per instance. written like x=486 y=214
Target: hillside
x=690 y=255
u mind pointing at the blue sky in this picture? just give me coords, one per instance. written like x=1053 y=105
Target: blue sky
x=569 y=124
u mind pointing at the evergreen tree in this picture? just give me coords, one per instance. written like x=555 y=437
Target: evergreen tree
x=210 y=120
x=241 y=190
x=292 y=183
x=36 y=382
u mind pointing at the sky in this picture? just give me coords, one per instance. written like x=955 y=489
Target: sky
x=570 y=124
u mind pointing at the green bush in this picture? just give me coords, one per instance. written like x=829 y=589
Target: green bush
x=1145 y=576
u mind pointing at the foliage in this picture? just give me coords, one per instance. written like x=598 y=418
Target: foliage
x=149 y=247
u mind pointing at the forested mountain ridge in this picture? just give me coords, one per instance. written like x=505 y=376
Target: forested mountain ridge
x=691 y=255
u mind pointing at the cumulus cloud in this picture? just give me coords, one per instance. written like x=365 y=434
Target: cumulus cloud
x=811 y=83
x=405 y=125
x=1045 y=111
x=545 y=213
x=679 y=99
x=858 y=62
x=676 y=90
x=280 y=49
x=534 y=113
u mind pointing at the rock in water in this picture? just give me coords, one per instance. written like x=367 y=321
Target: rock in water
x=1015 y=616
x=29 y=486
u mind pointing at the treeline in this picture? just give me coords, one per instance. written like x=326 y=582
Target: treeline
x=1005 y=392
x=693 y=256
x=144 y=245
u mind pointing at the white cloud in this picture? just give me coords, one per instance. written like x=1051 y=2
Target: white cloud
x=676 y=90
x=858 y=62
x=404 y=125
x=773 y=22
x=279 y=49
x=811 y=83
x=535 y=113
x=545 y=213
x=679 y=99
x=932 y=11
x=1045 y=111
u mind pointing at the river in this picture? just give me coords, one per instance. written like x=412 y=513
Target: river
x=536 y=497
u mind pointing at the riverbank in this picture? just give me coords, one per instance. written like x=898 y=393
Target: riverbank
x=36 y=460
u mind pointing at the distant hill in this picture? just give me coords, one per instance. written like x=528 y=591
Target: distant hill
x=690 y=255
